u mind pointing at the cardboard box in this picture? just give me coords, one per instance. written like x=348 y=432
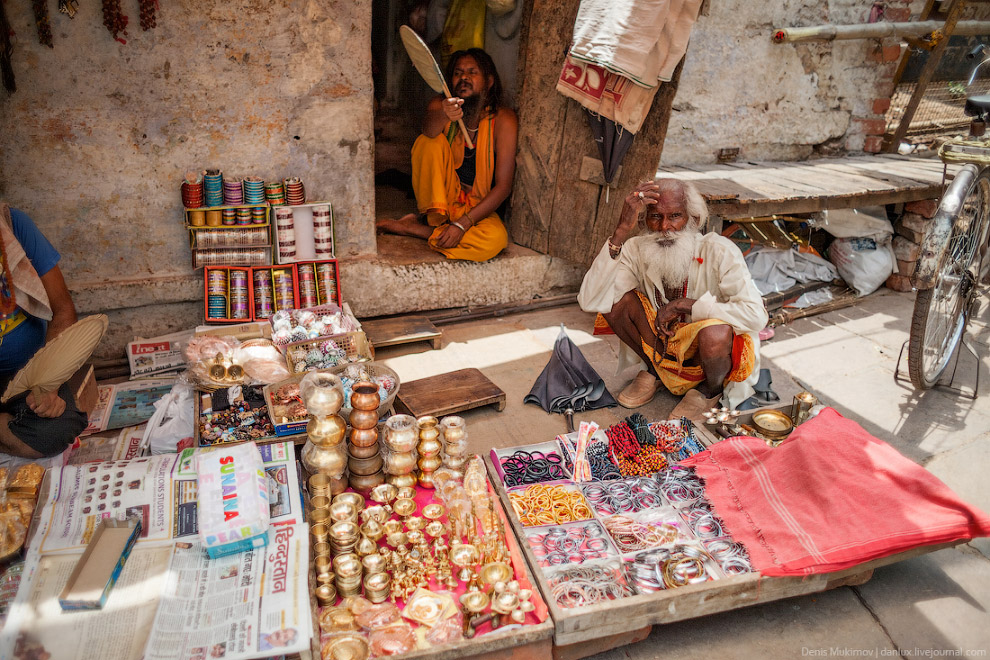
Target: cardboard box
x=99 y=567
x=304 y=234
x=323 y=296
x=226 y=311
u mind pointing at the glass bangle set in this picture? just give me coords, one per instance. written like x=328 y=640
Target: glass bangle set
x=644 y=533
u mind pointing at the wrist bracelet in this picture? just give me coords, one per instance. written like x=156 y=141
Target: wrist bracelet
x=459 y=226
x=613 y=249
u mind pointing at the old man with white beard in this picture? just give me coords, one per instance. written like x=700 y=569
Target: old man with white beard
x=682 y=303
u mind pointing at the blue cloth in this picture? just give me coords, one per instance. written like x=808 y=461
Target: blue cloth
x=24 y=341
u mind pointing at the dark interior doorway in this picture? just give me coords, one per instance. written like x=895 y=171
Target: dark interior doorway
x=401 y=95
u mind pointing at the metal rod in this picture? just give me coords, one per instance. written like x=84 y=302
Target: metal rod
x=875 y=31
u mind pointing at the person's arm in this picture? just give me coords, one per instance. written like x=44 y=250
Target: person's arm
x=63 y=310
x=50 y=404
x=439 y=113
x=506 y=138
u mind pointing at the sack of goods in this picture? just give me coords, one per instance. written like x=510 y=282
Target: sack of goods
x=233 y=512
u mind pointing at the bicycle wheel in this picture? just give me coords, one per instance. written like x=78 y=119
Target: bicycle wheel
x=938 y=320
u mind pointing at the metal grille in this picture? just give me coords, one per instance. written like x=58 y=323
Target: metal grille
x=940 y=112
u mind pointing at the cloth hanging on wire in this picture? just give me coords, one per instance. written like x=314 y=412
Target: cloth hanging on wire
x=568 y=381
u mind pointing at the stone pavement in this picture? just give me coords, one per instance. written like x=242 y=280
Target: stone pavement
x=919 y=607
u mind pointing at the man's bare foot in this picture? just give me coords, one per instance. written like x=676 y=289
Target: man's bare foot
x=396 y=225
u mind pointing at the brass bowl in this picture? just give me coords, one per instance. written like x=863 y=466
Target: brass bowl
x=318 y=532
x=373 y=529
x=415 y=523
x=416 y=536
x=364 y=396
x=319 y=482
x=375 y=563
x=321 y=550
x=345 y=531
x=404 y=507
x=355 y=499
x=385 y=493
x=320 y=502
x=396 y=539
x=435 y=529
x=377 y=512
x=364 y=483
x=341 y=511
x=364 y=437
x=406 y=492
x=474 y=601
x=336 y=620
x=323 y=564
x=505 y=602
x=377 y=581
x=496 y=571
x=433 y=511
x=773 y=424
x=318 y=516
x=348 y=566
x=345 y=647
x=363 y=452
x=326 y=595
x=392 y=526
x=463 y=555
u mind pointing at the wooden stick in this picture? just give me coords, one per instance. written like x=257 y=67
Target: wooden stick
x=460 y=122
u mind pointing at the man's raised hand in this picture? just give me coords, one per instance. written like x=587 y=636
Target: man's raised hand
x=452 y=108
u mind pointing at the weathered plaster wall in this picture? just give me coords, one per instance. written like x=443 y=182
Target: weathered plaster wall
x=781 y=101
x=98 y=134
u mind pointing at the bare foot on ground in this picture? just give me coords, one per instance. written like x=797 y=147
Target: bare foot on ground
x=407 y=225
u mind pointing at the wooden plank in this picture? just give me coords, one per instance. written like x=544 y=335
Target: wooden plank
x=444 y=394
x=866 y=179
x=401 y=330
x=599 y=645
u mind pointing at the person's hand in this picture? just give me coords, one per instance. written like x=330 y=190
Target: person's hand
x=642 y=196
x=668 y=315
x=452 y=108
x=49 y=404
x=450 y=237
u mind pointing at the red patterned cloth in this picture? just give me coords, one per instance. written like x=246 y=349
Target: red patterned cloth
x=830 y=497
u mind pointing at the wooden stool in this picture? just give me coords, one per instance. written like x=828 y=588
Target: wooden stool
x=449 y=393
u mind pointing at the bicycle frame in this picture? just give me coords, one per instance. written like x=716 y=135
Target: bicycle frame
x=936 y=238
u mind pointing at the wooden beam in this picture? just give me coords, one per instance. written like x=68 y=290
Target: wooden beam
x=926 y=75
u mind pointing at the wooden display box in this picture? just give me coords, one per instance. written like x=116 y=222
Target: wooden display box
x=291 y=271
x=629 y=619
x=302 y=214
x=227 y=270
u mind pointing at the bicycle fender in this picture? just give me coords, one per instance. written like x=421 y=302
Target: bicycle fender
x=936 y=238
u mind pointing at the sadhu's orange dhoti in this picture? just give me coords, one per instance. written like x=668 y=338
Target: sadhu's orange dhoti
x=675 y=364
x=439 y=193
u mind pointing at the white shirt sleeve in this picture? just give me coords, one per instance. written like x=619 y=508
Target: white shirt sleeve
x=607 y=280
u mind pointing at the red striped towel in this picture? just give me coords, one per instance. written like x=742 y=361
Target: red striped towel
x=830 y=497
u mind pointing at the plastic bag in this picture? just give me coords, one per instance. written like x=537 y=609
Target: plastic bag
x=171 y=428
x=864 y=263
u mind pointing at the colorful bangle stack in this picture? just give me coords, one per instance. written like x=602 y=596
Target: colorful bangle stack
x=539 y=504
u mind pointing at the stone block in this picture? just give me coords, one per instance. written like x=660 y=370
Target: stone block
x=923 y=207
x=897 y=14
x=906 y=268
x=910 y=234
x=898 y=282
x=873 y=144
x=905 y=250
x=915 y=221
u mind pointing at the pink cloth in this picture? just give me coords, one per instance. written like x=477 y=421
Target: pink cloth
x=830 y=497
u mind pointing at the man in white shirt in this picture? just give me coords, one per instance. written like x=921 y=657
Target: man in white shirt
x=683 y=304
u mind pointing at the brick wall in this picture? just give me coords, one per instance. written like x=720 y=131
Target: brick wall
x=909 y=231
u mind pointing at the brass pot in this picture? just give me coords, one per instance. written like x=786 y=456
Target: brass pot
x=322 y=393
x=365 y=482
x=326 y=431
x=328 y=460
x=364 y=419
x=429 y=463
x=364 y=437
x=402 y=463
x=338 y=485
x=363 y=452
x=429 y=427
x=454 y=430
x=365 y=466
x=403 y=480
x=401 y=433
x=426 y=479
x=364 y=396
x=429 y=447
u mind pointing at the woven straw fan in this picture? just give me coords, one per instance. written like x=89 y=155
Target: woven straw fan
x=56 y=361
x=423 y=60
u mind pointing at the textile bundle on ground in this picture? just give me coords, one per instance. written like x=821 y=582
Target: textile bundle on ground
x=832 y=496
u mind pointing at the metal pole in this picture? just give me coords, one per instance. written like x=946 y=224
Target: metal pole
x=875 y=31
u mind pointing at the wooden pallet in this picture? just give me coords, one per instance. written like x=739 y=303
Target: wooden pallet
x=445 y=394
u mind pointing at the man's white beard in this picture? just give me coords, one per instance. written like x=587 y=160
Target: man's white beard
x=669 y=264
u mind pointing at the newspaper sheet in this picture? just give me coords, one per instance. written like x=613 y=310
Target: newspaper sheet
x=126 y=404
x=284 y=496
x=109 y=446
x=38 y=628
x=250 y=605
x=148 y=357
x=80 y=496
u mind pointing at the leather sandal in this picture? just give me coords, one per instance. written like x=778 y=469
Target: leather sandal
x=693 y=404
x=640 y=391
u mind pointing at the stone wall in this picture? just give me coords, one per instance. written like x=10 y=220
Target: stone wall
x=782 y=101
x=910 y=229
x=99 y=133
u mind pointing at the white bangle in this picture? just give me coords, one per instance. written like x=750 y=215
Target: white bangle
x=459 y=226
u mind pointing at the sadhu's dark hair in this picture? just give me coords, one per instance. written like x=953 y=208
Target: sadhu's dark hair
x=493 y=99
